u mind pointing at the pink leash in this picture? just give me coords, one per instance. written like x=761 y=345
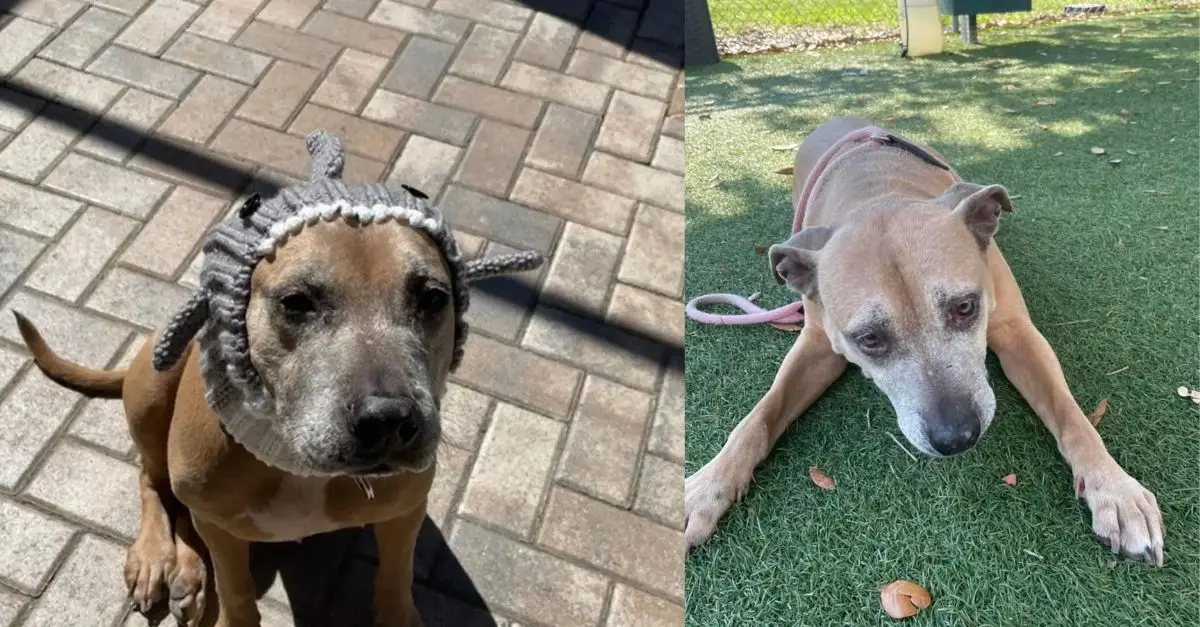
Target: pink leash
x=792 y=313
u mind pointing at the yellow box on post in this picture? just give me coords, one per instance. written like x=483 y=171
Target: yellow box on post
x=920 y=27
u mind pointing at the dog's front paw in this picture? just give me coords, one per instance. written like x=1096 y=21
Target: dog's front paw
x=1125 y=516
x=147 y=565
x=187 y=584
x=707 y=495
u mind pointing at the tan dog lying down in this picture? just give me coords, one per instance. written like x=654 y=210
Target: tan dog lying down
x=900 y=276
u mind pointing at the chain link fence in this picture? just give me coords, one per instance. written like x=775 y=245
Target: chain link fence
x=745 y=26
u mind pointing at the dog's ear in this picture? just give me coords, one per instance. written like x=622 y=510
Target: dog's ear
x=795 y=261
x=978 y=207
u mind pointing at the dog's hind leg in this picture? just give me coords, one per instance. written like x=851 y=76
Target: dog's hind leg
x=810 y=367
x=1125 y=515
x=149 y=400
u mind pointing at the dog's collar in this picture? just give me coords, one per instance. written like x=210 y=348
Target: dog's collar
x=892 y=140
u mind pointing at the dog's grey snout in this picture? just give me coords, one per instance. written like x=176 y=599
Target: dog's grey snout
x=375 y=419
x=955 y=425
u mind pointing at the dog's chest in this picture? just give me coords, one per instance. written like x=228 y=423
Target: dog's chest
x=296 y=510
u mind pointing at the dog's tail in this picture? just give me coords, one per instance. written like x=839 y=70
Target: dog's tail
x=86 y=381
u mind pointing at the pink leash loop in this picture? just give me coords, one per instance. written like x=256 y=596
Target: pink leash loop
x=792 y=313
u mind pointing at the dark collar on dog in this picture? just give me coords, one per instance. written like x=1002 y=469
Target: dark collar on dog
x=915 y=150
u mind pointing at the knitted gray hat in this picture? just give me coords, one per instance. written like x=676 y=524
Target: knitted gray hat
x=234 y=247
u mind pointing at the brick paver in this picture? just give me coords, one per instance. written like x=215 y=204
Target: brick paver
x=129 y=126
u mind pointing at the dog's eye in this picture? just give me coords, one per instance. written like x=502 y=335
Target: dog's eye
x=965 y=308
x=433 y=298
x=871 y=343
x=297 y=305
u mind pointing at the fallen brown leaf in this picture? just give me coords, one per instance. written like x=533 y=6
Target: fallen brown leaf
x=760 y=250
x=823 y=481
x=903 y=598
x=789 y=328
x=1010 y=479
x=1098 y=414
x=1126 y=112
x=1096 y=150
x=787 y=169
x=888 y=118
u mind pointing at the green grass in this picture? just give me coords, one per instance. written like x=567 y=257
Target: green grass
x=739 y=15
x=1107 y=258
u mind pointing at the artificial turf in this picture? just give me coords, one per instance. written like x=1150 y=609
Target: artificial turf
x=1107 y=257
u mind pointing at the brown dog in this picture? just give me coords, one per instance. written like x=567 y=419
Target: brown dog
x=203 y=493
x=900 y=276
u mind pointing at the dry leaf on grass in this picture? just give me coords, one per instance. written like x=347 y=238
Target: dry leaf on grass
x=787 y=169
x=1096 y=150
x=790 y=328
x=903 y=598
x=760 y=250
x=1126 y=112
x=1098 y=414
x=888 y=118
x=1010 y=478
x=823 y=481
x=1187 y=392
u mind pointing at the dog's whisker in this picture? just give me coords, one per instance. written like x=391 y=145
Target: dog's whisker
x=902 y=447
x=1069 y=322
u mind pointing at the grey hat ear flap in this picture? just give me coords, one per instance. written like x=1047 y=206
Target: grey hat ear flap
x=794 y=262
x=180 y=331
x=978 y=207
x=328 y=158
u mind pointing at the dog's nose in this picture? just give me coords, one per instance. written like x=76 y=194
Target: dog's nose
x=376 y=418
x=955 y=427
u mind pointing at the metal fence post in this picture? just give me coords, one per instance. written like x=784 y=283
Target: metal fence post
x=699 y=42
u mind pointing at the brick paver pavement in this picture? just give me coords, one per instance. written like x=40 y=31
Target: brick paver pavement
x=127 y=127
